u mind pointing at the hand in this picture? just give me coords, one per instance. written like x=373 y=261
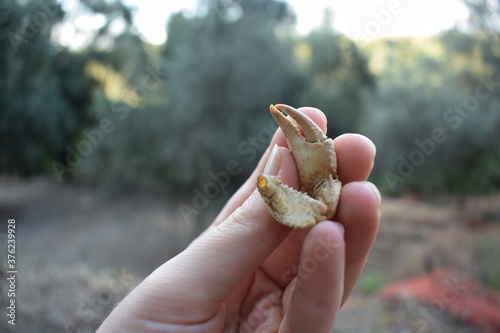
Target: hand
x=249 y=273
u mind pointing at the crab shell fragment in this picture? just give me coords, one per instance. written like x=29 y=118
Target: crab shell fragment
x=316 y=161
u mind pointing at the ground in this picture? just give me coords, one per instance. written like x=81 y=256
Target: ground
x=78 y=253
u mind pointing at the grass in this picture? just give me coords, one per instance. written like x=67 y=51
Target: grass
x=486 y=253
x=371 y=281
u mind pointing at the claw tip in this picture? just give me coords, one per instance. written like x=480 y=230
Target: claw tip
x=276 y=111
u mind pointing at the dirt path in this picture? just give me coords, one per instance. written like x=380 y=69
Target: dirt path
x=72 y=245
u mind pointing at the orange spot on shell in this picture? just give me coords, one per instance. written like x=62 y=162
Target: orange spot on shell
x=261 y=182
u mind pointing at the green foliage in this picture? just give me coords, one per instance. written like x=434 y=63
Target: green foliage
x=46 y=95
x=484 y=14
x=486 y=260
x=175 y=115
x=437 y=107
x=222 y=75
x=223 y=69
x=132 y=155
x=43 y=90
x=371 y=281
x=338 y=79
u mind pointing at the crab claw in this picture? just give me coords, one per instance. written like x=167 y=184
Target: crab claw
x=288 y=206
x=312 y=131
x=316 y=161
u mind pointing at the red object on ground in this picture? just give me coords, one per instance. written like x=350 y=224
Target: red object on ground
x=452 y=291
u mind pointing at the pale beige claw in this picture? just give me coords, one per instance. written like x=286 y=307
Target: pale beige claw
x=316 y=161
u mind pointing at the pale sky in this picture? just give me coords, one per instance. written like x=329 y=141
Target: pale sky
x=359 y=19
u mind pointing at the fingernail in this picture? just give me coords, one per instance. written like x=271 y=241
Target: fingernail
x=273 y=164
x=375 y=191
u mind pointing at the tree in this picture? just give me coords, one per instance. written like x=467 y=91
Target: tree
x=434 y=114
x=485 y=14
x=44 y=91
x=46 y=95
x=338 y=79
x=225 y=68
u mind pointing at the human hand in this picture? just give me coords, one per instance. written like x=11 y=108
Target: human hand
x=248 y=273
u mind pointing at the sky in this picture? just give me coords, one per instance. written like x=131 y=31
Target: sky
x=358 y=19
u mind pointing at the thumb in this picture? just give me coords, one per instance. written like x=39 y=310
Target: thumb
x=194 y=284
x=240 y=243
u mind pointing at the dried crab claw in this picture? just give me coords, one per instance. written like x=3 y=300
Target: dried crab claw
x=316 y=161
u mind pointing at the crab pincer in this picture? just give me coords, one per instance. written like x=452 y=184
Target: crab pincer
x=316 y=161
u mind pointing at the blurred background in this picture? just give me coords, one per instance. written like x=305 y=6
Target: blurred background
x=126 y=125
